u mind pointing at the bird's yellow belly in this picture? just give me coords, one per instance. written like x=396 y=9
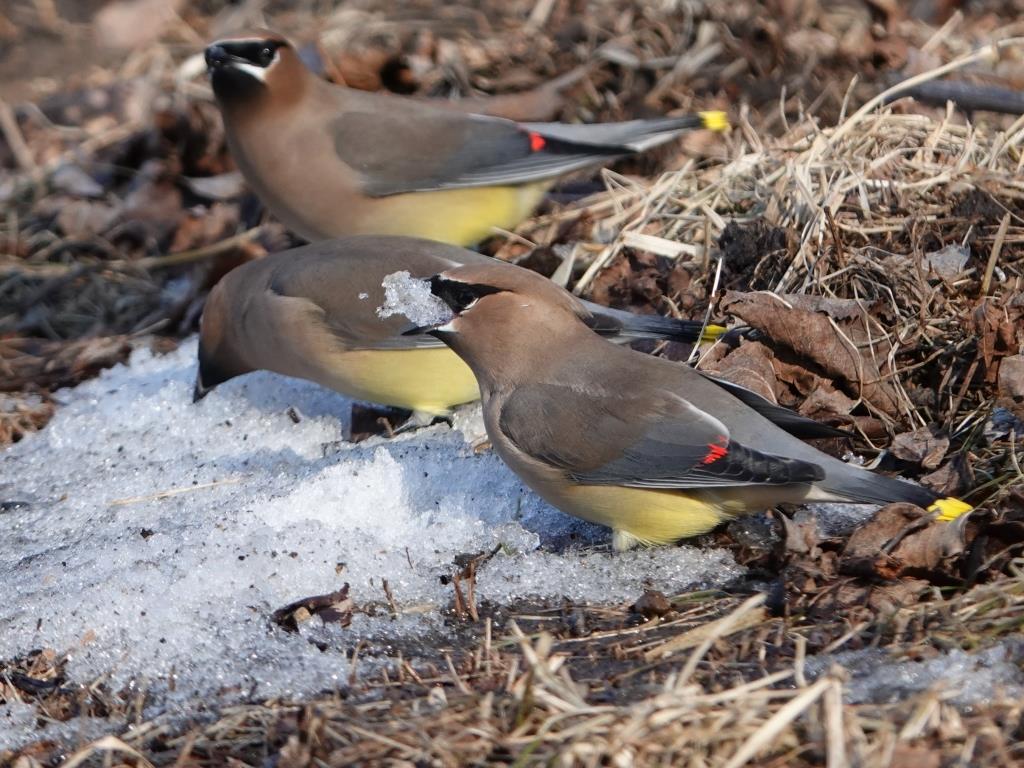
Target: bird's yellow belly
x=431 y=380
x=651 y=516
x=456 y=216
x=662 y=516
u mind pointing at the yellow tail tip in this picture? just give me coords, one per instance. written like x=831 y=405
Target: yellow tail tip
x=949 y=508
x=715 y=120
x=713 y=332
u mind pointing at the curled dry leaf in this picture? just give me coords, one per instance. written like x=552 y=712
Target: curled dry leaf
x=800 y=536
x=1000 y=331
x=924 y=446
x=332 y=608
x=837 y=335
x=750 y=366
x=951 y=478
x=947 y=262
x=903 y=539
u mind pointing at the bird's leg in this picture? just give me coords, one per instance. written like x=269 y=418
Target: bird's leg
x=420 y=419
x=623 y=541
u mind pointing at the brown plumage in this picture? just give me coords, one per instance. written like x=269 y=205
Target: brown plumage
x=311 y=312
x=331 y=161
x=648 y=447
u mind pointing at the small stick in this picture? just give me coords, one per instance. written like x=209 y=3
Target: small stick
x=392 y=606
x=173 y=492
x=993 y=257
x=353 y=674
x=15 y=139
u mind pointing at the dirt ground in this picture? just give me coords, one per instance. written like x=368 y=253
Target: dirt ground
x=874 y=256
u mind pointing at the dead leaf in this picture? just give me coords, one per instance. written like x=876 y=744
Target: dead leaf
x=53 y=364
x=800 y=536
x=915 y=756
x=332 y=608
x=154 y=199
x=950 y=479
x=750 y=366
x=997 y=328
x=825 y=401
x=930 y=548
x=924 y=446
x=840 y=336
x=947 y=262
x=903 y=539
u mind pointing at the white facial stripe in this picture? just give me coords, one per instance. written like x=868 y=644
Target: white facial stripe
x=230 y=40
x=448 y=327
x=251 y=69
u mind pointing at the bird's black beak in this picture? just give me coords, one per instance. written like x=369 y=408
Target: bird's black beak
x=216 y=57
x=420 y=330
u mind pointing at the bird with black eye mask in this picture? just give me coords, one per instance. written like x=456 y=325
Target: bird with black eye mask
x=238 y=68
x=655 y=450
x=330 y=161
x=311 y=313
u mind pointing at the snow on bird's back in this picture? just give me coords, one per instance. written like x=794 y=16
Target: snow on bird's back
x=411 y=296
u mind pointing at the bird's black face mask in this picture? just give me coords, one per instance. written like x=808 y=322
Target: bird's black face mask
x=457 y=295
x=237 y=68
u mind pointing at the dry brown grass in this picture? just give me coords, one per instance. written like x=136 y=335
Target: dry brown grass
x=714 y=697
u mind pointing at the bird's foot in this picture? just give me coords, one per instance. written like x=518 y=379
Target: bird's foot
x=420 y=419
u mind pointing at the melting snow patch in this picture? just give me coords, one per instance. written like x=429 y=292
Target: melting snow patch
x=970 y=679
x=157 y=537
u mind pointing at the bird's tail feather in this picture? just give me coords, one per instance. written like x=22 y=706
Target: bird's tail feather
x=869 y=487
x=660 y=327
x=620 y=324
x=629 y=136
x=949 y=508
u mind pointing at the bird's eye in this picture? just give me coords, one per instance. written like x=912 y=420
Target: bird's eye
x=266 y=56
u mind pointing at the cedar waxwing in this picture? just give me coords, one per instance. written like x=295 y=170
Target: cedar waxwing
x=647 y=447
x=311 y=312
x=331 y=161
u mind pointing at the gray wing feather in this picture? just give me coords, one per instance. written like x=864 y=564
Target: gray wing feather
x=424 y=148
x=642 y=444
